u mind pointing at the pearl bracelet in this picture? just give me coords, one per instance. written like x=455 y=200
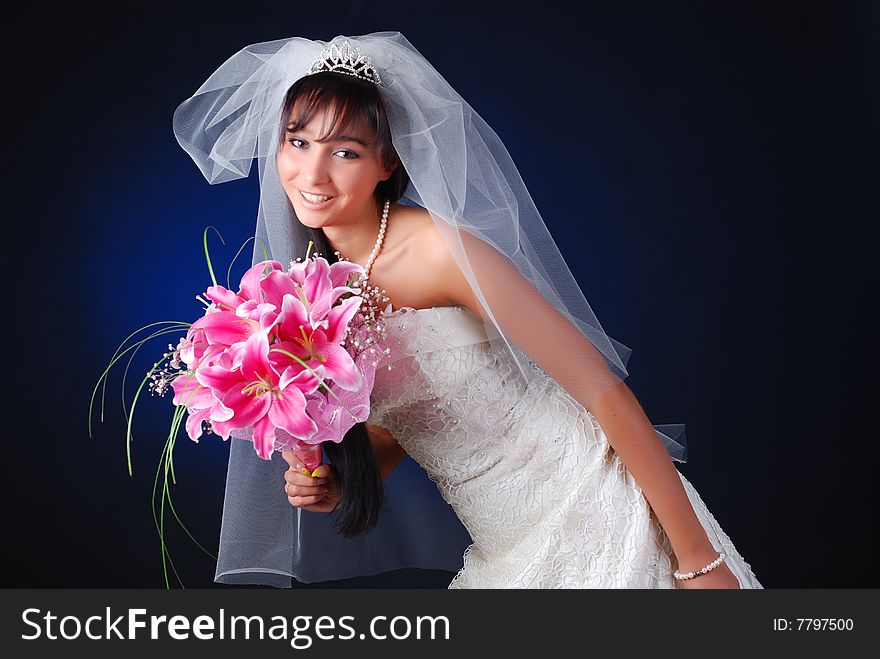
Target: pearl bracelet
x=690 y=575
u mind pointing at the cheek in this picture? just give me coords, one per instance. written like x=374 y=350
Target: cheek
x=285 y=165
x=353 y=178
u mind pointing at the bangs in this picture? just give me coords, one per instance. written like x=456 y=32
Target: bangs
x=349 y=115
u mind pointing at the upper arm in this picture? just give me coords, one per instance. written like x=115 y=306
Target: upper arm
x=387 y=450
x=525 y=317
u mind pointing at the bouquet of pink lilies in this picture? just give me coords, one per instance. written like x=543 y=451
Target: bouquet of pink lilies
x=259 y=361
x=288 y=361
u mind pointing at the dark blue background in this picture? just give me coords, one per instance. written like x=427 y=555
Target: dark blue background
x=709 y=173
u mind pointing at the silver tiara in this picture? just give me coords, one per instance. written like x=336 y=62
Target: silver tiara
x=345 y=59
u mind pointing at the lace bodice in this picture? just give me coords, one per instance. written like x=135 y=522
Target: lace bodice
x=456 y=402
x=526 y=468
x=448 y=377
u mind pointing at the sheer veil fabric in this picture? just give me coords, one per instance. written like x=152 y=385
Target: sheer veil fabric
x=461 y=172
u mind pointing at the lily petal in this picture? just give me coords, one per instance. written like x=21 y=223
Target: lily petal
x=247 y=408
x=255 y=364
x=225 y=327
x=194 y=423
x=340 y=367
x=223 y=297
x=288 y=412
x=219 y=379
x=264 y=438
x=250 y=281
x=340 y=316
x=277 y=285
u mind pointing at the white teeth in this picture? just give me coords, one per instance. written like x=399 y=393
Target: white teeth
x=315 y=199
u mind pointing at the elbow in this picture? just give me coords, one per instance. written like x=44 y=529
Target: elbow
x=614 y=401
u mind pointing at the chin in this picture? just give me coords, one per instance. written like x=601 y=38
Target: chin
x=305 y=218
x=312 y=219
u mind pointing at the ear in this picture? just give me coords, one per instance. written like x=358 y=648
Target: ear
x=388 y=172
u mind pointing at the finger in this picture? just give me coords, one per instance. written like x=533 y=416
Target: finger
x=299 y=502
x=317 y=481
x=290 y=458
x=322 y=471
x=296 y=478
x=292 y=489
x=300 y=468
x=311 y=488
x=294 y=462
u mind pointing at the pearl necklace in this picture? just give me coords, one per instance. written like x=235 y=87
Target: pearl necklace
x=377 y=247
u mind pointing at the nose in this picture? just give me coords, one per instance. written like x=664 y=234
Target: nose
x=315 y=169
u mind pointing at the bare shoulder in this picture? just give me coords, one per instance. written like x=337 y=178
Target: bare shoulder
x=416 y=268
x=440 y=271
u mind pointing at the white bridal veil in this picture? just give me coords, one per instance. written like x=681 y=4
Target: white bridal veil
x=461 y=172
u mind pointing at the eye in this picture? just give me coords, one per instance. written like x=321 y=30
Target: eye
x=294 y=140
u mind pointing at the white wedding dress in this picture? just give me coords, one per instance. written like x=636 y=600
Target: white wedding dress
x=530 y=473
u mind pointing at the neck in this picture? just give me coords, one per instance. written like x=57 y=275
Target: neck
x=355 y=240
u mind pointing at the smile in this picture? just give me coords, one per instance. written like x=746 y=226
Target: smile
x=314 y=197
x=315 y=201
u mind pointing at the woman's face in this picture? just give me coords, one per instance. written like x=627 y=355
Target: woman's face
x=344 y=169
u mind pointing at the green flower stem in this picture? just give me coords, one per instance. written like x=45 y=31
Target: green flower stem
x=133 y=404
x=174 y=481
x=160 y=522
x=208 y=255
x=232 y=263
x=131 y=416
x=137 y=347
x=137 y=394
x=166 y=460
x=178 y=325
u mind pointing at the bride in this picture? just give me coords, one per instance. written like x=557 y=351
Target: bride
x=502 y=441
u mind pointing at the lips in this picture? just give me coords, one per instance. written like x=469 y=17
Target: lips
x=315 y=198
x=316 y=205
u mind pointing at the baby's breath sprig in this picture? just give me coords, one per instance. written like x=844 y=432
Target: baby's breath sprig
x=161 y=379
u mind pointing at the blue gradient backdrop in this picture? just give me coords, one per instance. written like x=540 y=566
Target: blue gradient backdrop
x=709 y=173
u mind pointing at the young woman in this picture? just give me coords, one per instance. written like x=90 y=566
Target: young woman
x=500 y=383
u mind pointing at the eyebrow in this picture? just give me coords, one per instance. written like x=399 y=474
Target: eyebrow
x=335 y=138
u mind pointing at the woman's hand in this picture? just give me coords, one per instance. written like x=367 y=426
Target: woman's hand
x=720 y=577
x=318 y=493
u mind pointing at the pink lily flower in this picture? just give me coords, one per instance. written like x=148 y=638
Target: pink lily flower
x=192 y=348
x=318 y=346
x=318 y=286
x=249 y=288
x=229 y=327
x=223 y=298
x=339 y=272
x=250 y=302
x=225 y=327
x=201 y=402
x=263 y=313
x=277 y=285
x=260 y=397
x=251 y=281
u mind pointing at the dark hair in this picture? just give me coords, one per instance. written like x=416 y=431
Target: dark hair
x=361 y=493
x=356 y=104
